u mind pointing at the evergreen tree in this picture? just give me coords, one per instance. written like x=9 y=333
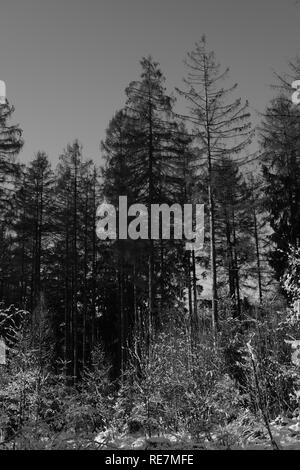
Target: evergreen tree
x=234 y=222
x=34 y=226
x=10 y=145
x=280 y=167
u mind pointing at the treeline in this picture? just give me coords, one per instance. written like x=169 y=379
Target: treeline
x=123 y=293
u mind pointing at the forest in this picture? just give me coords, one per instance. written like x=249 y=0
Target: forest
x=142 y=343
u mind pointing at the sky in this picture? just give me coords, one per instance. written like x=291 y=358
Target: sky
x=66 y=63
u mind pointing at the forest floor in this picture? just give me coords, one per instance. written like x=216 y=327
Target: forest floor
x=234 y=436
x=285 y=431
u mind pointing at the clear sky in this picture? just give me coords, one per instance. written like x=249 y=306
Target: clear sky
x=66 y=63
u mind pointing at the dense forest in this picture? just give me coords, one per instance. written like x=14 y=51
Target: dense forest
x=133 y=343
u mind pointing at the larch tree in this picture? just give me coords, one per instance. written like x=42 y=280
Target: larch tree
x=221 y=126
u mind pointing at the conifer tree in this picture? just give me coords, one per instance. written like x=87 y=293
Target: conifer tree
x=280 y=167
x=11 y=143
x=221 y=126
x=155 y=160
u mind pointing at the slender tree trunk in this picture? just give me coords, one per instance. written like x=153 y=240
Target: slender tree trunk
x=151 y=247
x=75 y=274
x=137 y=327
x=23 y=274
x=39 y=258
x=195 y=329
x=215 y=320
x=94 y=254
x=84 y=312
x=231 y=276
x=236 y=266
x=122 y=319
x=150 y=289
x=190 y=300
x=257 y=256
x=68 y=333
x=257 y=248
x=162 y=280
